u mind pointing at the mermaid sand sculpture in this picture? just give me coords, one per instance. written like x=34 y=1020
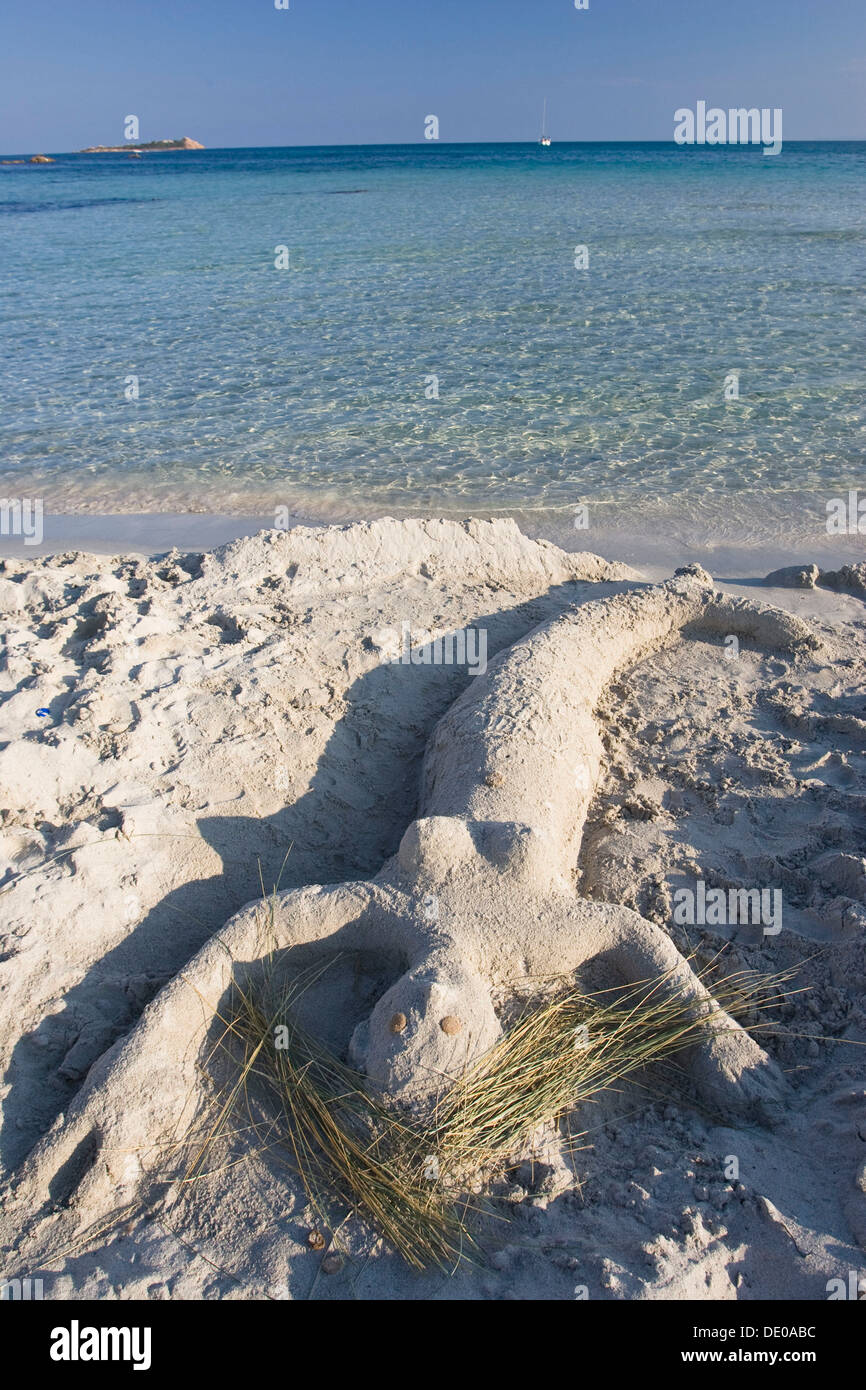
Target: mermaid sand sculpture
x=480 y=893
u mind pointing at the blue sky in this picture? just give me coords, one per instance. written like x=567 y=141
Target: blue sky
x=240 y=72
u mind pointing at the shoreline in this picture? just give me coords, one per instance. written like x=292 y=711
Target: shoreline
x=656 y=548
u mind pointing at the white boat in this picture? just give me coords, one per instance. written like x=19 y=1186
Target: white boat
x=545 y=138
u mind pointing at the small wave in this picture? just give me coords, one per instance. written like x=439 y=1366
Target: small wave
x=15 y=207
x=320 y=192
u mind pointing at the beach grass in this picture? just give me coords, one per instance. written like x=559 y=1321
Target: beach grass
x=423 y=1182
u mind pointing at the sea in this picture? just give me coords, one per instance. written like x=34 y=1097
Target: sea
x=640 y=344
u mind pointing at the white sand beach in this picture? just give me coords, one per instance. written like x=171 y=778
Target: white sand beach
x=180 y=732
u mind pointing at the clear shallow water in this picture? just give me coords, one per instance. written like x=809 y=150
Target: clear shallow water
x=306 y=387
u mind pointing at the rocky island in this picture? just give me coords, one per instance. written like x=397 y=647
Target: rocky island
x=183 y=144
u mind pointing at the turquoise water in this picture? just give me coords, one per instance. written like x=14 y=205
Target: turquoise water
x=306 y=387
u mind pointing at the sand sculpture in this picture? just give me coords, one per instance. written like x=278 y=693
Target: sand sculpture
x=480 y=893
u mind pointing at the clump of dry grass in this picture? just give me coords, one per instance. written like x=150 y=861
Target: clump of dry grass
x=565 y=1052
x=404 y=1175
x=348 y=1149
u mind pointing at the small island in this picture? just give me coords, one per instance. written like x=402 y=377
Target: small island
x=155 y=145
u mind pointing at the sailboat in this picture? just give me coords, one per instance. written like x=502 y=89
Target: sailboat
x=545 y=138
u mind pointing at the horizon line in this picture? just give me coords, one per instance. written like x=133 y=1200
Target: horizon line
x=428 y=144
